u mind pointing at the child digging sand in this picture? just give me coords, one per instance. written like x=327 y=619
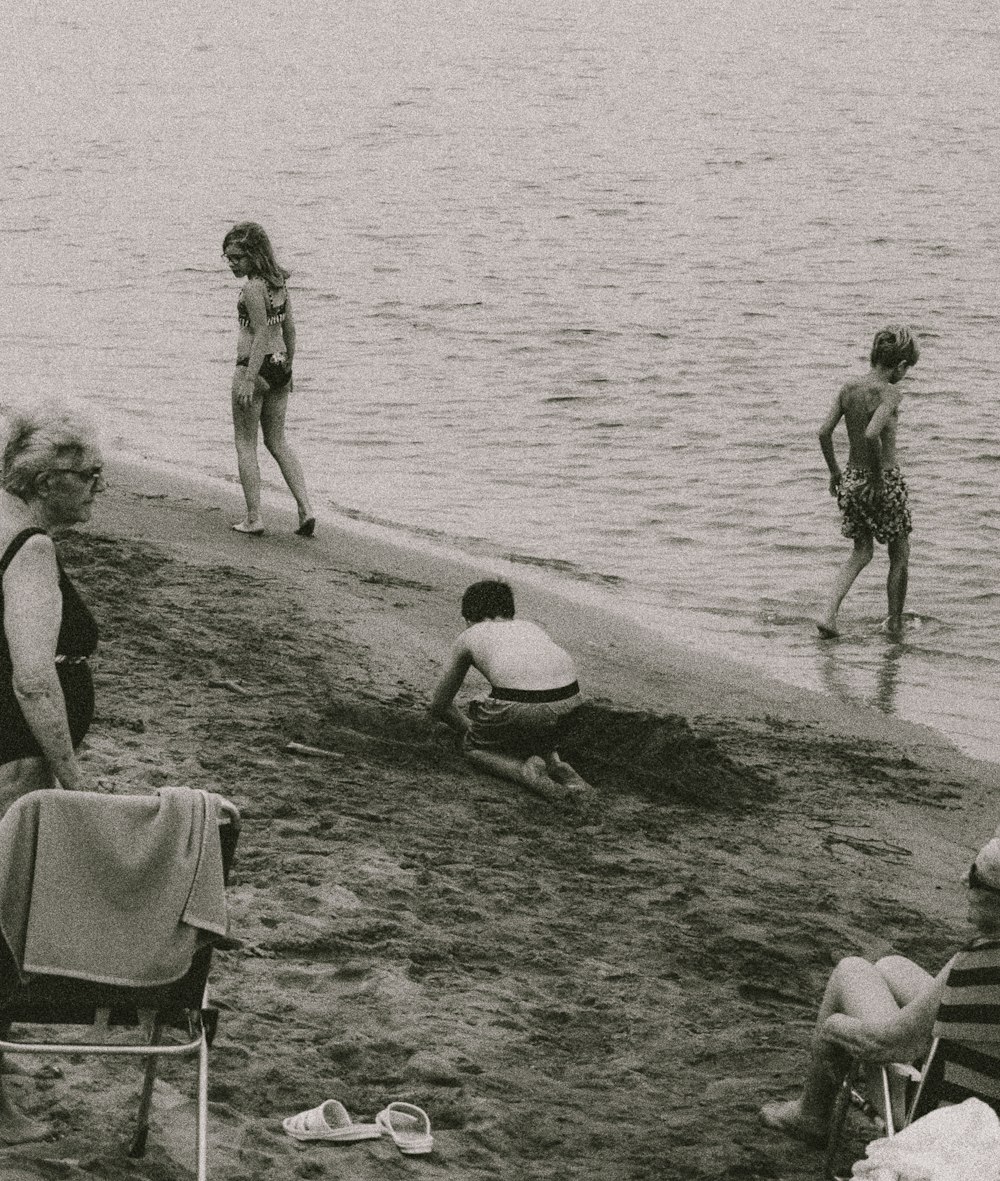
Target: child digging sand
x=512 y=732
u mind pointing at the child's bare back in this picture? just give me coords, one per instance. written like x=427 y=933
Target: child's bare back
x=859 y=401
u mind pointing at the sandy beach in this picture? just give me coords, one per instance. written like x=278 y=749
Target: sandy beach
x=606 y=995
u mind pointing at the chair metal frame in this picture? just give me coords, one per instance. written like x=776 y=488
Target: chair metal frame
x=66 y=1001
x=893 y=1107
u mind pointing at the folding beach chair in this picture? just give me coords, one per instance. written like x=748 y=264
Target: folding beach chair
x=904 y=1093
x=175 y=1019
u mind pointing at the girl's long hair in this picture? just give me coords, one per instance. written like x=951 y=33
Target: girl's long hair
x=256 y=245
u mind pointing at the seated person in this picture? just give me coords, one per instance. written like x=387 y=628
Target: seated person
x=512 y=732
x=890 y=1011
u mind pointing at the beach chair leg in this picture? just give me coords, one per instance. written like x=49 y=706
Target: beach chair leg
x=203 y=1108
x=838 y=1118
x=138 y=1146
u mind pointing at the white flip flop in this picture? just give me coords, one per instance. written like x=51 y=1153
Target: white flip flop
x=408 y=1126
x=329 y=1121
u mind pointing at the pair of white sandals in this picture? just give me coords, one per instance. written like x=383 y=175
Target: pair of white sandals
x=404 y=1123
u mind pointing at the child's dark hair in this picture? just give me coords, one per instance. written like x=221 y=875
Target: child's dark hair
x=893 y=345
x=488 y=600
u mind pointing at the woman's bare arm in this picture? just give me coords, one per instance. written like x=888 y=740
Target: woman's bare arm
x=31 y=619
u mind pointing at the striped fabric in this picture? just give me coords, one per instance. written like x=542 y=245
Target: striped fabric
x=968 y=1024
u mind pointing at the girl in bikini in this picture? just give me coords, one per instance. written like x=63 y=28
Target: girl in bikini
x=263 y=377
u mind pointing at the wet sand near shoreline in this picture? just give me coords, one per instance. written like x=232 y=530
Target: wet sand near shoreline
x=601 y=995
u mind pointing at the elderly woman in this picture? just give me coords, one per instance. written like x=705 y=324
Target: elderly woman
x=51 y=473
x=891 y=1010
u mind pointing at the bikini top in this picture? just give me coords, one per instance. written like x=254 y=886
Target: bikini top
x=275 y=314
x=77 y=629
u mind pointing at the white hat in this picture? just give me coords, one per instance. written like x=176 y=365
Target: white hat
x=988 y=863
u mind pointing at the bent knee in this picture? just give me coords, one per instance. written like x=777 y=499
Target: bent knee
x=852 y=963
x=905 y=979
x=894 y=962
x=850 y=970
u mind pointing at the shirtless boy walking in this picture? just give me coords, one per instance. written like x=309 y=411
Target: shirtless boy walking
x=512 y=732
x=870 y=492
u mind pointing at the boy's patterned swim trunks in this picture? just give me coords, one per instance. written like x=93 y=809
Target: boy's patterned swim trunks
x=518 y=727
x=887 y=520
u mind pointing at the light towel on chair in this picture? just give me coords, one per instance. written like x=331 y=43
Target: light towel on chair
x=113 y=889
x=960 y=1142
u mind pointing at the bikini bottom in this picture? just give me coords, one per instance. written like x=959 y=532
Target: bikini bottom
x=274 y=370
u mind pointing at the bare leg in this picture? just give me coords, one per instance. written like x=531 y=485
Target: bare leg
x=245 y=423
x=899 y=567
x=272 y=420
x=859 y=558
x=857 y=988
x=530 y=773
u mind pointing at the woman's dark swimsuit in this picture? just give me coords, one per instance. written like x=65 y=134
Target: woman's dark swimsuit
x=274 y=369
x=77 y=640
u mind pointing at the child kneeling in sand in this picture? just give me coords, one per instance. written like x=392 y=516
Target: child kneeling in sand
x=512 y=732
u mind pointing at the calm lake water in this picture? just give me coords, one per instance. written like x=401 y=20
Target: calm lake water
x=575 y=282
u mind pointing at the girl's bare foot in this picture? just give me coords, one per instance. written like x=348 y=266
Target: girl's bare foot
x=246 y=526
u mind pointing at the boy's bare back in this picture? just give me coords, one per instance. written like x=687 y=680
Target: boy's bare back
x=859 y=401
x=517 y=654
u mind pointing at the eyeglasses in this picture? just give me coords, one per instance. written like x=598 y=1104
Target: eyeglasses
x=89 y=475
x=977 y=883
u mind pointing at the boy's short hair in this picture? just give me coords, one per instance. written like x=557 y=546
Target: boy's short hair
x=893 y=345
x=489 y=599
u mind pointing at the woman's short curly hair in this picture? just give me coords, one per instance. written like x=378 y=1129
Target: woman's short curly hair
x=40 y=439
x=893 y=345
